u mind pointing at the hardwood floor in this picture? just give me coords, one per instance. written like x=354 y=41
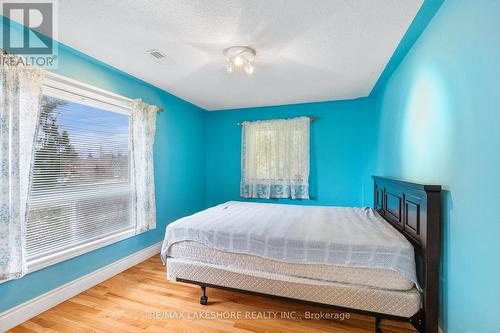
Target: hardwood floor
x=140 y=298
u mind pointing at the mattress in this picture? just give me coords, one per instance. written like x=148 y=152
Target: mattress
x=314 y=235
x=249 y=264
x=391 y=302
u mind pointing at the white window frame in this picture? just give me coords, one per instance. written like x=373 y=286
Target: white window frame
x=59 y=86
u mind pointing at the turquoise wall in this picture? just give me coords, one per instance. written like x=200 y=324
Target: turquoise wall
x=439 y=122
x=435 y=119
x=340 y=151
x=179 y=174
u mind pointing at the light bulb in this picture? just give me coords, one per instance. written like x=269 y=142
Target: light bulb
x=238 y=61
x=249 y=69
x=230 y=67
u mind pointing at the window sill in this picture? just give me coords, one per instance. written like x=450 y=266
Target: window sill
x=40 y=263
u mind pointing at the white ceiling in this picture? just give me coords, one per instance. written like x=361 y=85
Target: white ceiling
x=307 y=50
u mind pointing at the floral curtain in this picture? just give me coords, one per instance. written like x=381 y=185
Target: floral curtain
x=275 y=159
x=142 y=127
x=21 y=93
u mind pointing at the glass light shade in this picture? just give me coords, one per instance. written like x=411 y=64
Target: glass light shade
x=240 y=59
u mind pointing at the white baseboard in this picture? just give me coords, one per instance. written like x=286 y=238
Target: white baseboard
x=35 y=306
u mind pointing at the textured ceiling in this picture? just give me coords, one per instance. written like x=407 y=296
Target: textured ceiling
x=307 y=51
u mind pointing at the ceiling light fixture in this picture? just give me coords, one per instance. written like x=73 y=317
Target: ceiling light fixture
x=240 y=58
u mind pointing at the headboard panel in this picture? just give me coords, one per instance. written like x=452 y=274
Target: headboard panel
x=415 y=210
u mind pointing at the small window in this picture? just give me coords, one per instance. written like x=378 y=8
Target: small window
x=80 y=196
x=275 y=159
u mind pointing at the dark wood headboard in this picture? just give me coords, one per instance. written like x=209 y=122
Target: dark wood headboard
x=415 y=210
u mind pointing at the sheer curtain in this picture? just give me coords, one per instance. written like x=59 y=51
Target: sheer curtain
x=275 y=159
x=21 y=93
x=142 y=128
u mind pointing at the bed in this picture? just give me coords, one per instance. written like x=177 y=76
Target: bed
x=381 y=261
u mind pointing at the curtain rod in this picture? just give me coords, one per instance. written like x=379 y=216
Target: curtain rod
x=59 y=77
x=310 y=118
x=90 y=87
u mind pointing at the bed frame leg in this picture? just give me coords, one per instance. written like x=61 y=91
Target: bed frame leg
x=377 y=325
x=418 y=322
x=203 y=298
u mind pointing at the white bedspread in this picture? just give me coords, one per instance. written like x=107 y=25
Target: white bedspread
x=356 y=237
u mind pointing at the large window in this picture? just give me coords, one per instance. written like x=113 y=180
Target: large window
x=80 y=196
